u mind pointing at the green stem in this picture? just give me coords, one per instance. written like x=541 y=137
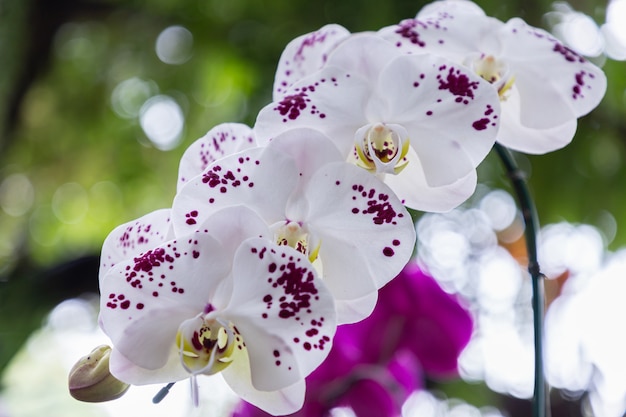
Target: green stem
x=529 y=213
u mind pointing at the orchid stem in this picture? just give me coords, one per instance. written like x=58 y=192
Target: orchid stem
x=541 y=406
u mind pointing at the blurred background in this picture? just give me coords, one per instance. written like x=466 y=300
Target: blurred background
x=100 y=98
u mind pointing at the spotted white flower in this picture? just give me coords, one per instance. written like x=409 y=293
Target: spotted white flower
x=420 y=123
x=543 y=85
x=346 y=221
x=258 y=315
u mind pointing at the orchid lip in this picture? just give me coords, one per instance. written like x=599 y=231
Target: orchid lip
x=494 y=70
x=205 y=345
x=296 y=235
x=381 y=148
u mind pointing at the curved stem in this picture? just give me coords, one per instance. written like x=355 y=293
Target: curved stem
x=529 y=213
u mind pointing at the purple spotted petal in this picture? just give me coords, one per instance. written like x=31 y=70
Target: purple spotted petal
x=305 y=55
x=241 y=179
x=282 y=310
x=331 y=100
x=365 y=230
x=223 y=140
x=145 y=299
x=136 y=236
x=555 y=84
x=434 y=30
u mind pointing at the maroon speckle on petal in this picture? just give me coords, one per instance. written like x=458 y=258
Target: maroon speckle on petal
x=387 y=251
x=480 y=124
x=577 y=89
x=407 y=29
x=309 y=41
x=291 y=106
x=135 y=235
x=376 y=205
x=222 y=180
x=567 y=53
x=458 y=84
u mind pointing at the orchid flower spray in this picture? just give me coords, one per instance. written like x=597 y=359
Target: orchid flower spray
x=189 y=306
x=285 y=257
x=420 y=123
x=543 y=85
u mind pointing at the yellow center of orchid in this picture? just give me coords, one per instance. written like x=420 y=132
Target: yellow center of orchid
x=496 y=72
x=294 y=235
x=207 y=347
x=380 y=149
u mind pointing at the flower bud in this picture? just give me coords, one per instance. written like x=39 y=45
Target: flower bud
x=91 y=381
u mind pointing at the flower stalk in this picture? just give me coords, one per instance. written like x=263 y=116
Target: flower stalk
x=541 y=405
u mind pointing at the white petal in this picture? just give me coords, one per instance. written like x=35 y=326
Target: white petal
x=364 y=54
x=223 y=140
x=352 y=311
x=331 y=100
x=513 y=134
x=144 y=300
x=305 y=55
x=230 y=227
x=146 y=340
x=451 y=114
x=281 y=402
x=412 y=189
x=452 y=33
x=555 y=84
x=125 y=370
x=451 y=7
x=261 y=181
x=282 y=310
x=134 y=237
x=309 y=149
x=366 y=234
